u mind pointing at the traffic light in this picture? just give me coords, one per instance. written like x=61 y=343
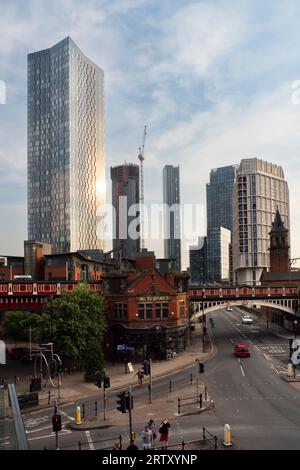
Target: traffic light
x=129 y=405
x=121 y=402
x=146 y=368
x=99 y=381
x=106 y=382
x=201 y=367
x=56 y=422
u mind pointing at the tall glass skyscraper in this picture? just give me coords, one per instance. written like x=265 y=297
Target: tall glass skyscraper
x=219 y=222
x=126 y=195
x=172 y=228
x=66 y=175
x=219 y=197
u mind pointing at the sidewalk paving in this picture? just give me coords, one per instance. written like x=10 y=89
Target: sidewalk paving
x=75 y=388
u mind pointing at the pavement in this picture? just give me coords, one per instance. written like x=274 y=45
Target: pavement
x=74 y=388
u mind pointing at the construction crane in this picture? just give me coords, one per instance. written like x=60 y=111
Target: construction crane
x=141 y=159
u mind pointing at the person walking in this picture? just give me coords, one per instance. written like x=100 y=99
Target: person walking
x=164 y=431
x=147 y=438
x=152 y=428
x=140 y=377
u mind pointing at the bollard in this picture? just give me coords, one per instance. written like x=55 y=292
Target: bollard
x=179 y=406
x=200 y=400
x=49 y=395
x=82 y=410
x=227 y=435
x=182 y=445
x=205 y=393
x=120 y=441
x=203 y=433
x=290 y=370
x=170 y=386
x=216 y=442
x=79 y=445
x=96 y=408
x=191 y=379
x=78 y=415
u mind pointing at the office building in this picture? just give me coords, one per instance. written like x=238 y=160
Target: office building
x=172 y=228
x=125 y=200
x=260 y=190
x=198 y=263
x=66 y=179
x=218 y=254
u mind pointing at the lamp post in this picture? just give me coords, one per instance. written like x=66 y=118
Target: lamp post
x=295 y=327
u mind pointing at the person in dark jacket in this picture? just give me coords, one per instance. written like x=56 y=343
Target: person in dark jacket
x=132 y=447
x=164 y=431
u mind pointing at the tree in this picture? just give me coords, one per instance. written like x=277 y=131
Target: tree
x=16 y=324
x=75 y=324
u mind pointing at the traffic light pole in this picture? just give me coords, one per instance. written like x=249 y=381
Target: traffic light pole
x=130 y=415
x=56 y=440
x=104 y=402
x=150 y=380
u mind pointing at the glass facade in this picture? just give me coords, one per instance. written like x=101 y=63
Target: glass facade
x=172 y=227
x=219 y=221
x=198 y=264
x=125 y=194
x=219 y=197
x=66 y=178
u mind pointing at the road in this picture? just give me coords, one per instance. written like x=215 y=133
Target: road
x=262 y=409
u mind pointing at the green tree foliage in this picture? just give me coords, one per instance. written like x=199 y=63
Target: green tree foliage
x=75 y=323
x=16 y=324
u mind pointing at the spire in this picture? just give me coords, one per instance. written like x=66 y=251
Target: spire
x=278 y=225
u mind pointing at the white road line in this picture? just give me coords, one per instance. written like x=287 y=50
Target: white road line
x=89 y=439
x=64 y=431
x=66 y=415
x=242 y=371
x=43 y=429
x=231 y=340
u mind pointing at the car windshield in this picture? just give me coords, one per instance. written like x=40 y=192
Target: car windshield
x=243 y=349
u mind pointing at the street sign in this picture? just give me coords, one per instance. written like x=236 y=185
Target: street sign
x=130 y=367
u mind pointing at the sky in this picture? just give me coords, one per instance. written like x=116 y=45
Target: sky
x=212 y=80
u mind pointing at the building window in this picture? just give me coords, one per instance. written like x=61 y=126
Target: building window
x=145 y=311
x=162 y=310
x=120 y=311
x=181 y=308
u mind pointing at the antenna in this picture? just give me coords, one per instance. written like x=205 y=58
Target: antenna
x=141 y=159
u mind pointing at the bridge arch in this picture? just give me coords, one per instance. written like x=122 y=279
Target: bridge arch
x=284 y=305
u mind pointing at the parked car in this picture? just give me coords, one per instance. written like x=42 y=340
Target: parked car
x=18 y=353
x=247 y=319
x=241 y=350
x=229 y=309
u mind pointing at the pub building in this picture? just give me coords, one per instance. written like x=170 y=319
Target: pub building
x=147 y=311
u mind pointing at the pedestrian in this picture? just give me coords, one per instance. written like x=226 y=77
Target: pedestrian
x=117 y=446
x=147 y=438
x=132 y=447
x=164 y=431
x=152 y=428
x=140 y=377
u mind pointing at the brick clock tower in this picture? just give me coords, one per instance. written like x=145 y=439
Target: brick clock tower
x=279 y=246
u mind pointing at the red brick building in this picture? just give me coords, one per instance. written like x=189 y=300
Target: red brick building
x=147 y=311
x=280 y=273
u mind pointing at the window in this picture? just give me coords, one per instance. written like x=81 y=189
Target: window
x=120 y=311
x=181 y=308
x=162 y=310
x=145 y=311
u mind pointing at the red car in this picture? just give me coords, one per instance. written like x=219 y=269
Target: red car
x=241 y=350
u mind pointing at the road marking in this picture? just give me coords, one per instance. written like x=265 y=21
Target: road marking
x=66 y=415
x=63 y=431
x=267 y=357
x=231 y=340
x=43 y=429
x=89 y=439
x=31 y=413
x=242 y=371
